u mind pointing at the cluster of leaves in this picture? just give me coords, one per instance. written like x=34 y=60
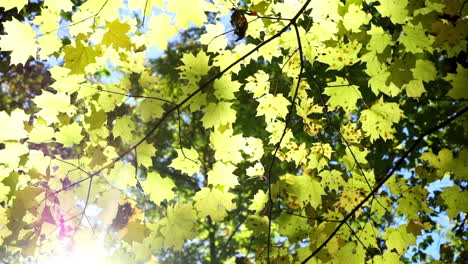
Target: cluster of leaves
x=317 y=139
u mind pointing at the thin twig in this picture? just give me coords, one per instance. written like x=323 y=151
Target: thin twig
x=288 y=118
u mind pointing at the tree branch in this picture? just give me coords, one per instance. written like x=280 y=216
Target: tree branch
x=387 y=177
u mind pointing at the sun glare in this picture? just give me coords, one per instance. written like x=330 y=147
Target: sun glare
x=82 y=256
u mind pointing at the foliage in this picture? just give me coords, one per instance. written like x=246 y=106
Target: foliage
x=335 y=132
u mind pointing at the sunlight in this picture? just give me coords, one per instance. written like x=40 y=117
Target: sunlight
x=81 y=256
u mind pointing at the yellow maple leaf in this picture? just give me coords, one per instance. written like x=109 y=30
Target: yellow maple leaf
x=116 y=35
x=194 y=11
x=159 y=35
x=58 y=5
x=10 y=4
x=20 y=40
x=12 y=127
x=80 y=56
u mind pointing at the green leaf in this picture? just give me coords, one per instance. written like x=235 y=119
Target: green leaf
x=214 y=202
x=53 y=104
x=458 y=82
x=395 y=9
x=415 y=39
x=227 y=146
x=388 y=257
x=12 y=127
x=272 y=106
x=331 y=179
x=158 y=188
x=424 y=71
x=455 y=199
x=116 y=35
x=303 y=190
x=399 y=239
x=222 y=174
x=178 y=225
x=343 y=95
x=145 y=153
x=343 y=54
x=122 y=176
x=78 y=57
x=218 y=114
x=186 y=161
x=69 y=135
x=124 y=128
x=259 y=201
x=379 y=39
x=225 y=88
x=379 y=119
x=351 y=253
x=355 y=18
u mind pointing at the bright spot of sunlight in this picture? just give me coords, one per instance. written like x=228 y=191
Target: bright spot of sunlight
x=79 y=256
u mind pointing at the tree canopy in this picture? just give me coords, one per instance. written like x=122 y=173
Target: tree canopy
x=261 y=131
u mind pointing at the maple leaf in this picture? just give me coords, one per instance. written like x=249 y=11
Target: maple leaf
x=424 y=71
x=20 y=40
x=355 y=17
x=53 y=104
x=379 y=39
x=124 y=128
x=444 y=161
x=222 y=174
x=59 y=5
x=414 y=201
x=214 y=202
x=218 y=114
x=399 y=239
x=213 y=39
x=458 y=82
x=122 y=175
x=304 y=189
x=10 y=4
x=187 y=162
x=344 y=54
x=116 y=35
x=351 y=253
x=13 y=122
x=378 y=81
x=196 y=11
x=272 y=106
x=178 y=225
x=158 y=188
x=292 y=226
x=343 y=95
x=259 y=201
x=78 y=57
x=388 y=257
x=415 y=40
x=146 y=4
x=194 y=66
x=415 y=88
x=256 y=171
x=69 y=135
x=258 y=84
x=145 y=152
x=225 y=88
x=227 y=146
x=331 y=179
x=379 y=119
x=455 y=199
x=407 y=47
x=395 y=9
